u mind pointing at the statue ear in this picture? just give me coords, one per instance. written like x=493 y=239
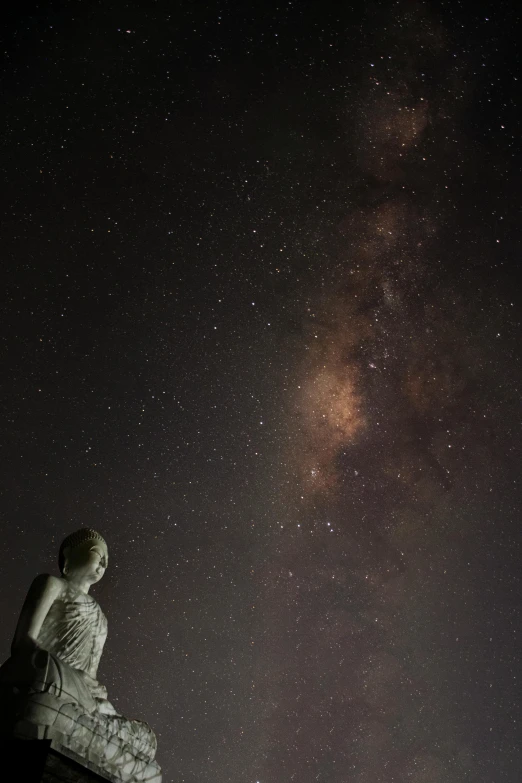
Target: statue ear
x=65 y=567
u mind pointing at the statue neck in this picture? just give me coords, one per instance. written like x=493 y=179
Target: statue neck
x=81 y=585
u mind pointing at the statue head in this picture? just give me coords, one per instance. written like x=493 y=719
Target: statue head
x=84 y=555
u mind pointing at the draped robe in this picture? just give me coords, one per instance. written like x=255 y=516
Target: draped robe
x=56 y=694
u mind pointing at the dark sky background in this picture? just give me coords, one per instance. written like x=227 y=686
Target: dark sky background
x=261 y=328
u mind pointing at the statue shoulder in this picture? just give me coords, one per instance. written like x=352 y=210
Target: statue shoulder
x=47 y=585
x=44 y=591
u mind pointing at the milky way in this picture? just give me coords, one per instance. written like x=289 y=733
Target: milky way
x=365 y=318
x=385 y=393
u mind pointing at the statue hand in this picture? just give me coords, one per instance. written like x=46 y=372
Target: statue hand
x=97 y=690
x=105 y=707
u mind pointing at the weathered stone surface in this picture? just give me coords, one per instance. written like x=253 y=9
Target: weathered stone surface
x=49 y=689
x=61 y=768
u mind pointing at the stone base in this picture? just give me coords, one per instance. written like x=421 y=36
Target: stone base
x=41 y=761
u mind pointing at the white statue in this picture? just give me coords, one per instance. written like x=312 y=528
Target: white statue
x=49 y=686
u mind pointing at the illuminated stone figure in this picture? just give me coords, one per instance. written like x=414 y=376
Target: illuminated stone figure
x=49 y=686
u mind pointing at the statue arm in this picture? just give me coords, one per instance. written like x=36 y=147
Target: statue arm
x=43 y=592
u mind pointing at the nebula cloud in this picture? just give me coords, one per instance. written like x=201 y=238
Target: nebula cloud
x=379 y=422
x=365 y=318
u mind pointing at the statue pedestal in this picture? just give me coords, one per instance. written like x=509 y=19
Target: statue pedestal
x=44 y=761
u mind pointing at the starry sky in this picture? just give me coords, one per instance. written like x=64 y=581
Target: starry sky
x=261 y=329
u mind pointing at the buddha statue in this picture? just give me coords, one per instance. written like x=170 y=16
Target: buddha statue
x=49 y=687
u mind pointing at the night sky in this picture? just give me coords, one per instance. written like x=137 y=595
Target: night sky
x=261 y=329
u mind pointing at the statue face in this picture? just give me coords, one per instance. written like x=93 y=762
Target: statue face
x=86 y=561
